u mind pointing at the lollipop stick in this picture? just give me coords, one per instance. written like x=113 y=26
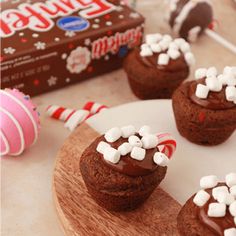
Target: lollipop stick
x=221 y=40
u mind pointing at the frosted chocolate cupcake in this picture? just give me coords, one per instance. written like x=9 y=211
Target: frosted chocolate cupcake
x=212 y=210
x=123 y=167
x=205 y=109
x=157 y=68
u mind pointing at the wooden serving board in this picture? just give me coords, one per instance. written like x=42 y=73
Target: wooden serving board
x=80 y=215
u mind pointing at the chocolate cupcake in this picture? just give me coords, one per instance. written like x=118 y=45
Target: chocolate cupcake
x=122 y=168
x=158 y=67
x=205 y=109
x=212 y=210
x=189 y=18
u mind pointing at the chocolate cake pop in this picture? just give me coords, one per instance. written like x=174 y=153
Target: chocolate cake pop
x=189 y=18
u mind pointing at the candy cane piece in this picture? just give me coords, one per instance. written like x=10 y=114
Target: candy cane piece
x=59 y=113
x=166 y=144
x=94 y=107
x=77 y=118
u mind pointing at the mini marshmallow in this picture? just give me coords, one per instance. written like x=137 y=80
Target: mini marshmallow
x=232 y=208
x=225 y=198
x=185 y=47
x=135 y=141
x=153 y=38
x=179 y=41
x=230 y=232
x=209 y=181
x=113 y=134
x=146 y=52
x=102 y=147
x=144 y=46
x=211 y=72
x=213 y=84
x=127 y=131
x=164 y=45
x=200 y=73
x=235 y=220
x=233 y=191
x=230 y=93
x=163 y=59
x=138 y=153
x=222 y=79
x=167 y=38
x=201 y=198
x=202 y=91
x=189 y=58
x=111 y=155
x=125 y=148
x=173 y=53
x=216 y=209
x=149 y=141
x=173 y=45
x=230 y=80
x=155 y=47
x=230 y=179
x=228 y=70
x=221 y=189
x=144 y=130
x=161 y=159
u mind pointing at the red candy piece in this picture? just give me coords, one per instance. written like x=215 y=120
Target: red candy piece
x=202 y=117
x=107 y=17
x=23 y=40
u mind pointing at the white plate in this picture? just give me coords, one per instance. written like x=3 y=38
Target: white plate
x=190 y=162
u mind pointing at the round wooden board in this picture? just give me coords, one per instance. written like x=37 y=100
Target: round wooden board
x=80 y=215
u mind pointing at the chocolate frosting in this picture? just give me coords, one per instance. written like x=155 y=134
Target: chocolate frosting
x=130 y=166
x=173 y=65
x=215 y=224
x=214 y=101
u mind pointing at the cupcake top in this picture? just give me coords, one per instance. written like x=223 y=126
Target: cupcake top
x=212 y=90
x=217 y=204
x=135 y=153
x=165 y=53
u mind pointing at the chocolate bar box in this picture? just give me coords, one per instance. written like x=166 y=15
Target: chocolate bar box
x=46 y=45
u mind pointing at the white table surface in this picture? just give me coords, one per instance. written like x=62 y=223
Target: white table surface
x=26 y=197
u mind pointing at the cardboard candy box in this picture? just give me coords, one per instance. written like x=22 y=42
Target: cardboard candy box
x=49 y=44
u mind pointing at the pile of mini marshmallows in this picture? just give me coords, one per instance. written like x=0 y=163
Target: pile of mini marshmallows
x=135 y=146
x=171 y=48
x=225 y=197
x=215 y=82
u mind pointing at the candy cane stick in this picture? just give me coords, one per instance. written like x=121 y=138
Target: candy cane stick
x=59 y=113
x=89 y=109
x=94 y=107
x=166 y=144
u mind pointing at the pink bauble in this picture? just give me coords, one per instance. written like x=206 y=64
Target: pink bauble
x=19 y=122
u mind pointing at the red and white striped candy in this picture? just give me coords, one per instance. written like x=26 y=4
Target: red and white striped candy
x=76 y=119
x=60 y=113
x=166 y=144
x=94 y=107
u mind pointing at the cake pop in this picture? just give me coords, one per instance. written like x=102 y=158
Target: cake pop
x=189 y=18
x=19 y=126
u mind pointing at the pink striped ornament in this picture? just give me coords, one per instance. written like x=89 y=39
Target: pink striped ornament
x=19 y=126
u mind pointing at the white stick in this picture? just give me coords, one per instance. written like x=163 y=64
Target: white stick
x=221 y=40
